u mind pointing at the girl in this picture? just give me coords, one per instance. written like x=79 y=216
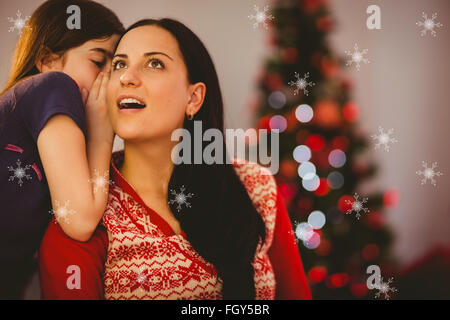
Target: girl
x=44 y=156
x=231 y=240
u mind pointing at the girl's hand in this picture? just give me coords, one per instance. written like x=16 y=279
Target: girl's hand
x=99 y=127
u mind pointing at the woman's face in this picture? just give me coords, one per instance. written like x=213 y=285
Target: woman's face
x=148 y=93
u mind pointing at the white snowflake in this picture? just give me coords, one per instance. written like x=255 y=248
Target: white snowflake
x=62 y=211
x=428 y=24
x=384 y=138
x=19 y=173
x=180 y=198
x=140 y=279
x=292 y=232
x=101 y=181
x=18 y=23
x=429 y=173
x=301 y=83
x=356 y=57
x=384 y=288
x=261 y=16
x=357 y=205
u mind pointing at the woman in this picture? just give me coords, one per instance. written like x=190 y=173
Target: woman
x=44 y=155
x=231 y=239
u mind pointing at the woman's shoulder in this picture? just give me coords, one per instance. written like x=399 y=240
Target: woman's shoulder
x=254 y=175
x=260 y=185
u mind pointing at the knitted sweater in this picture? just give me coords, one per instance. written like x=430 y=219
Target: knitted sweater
x=59 y=252
x=147 y=260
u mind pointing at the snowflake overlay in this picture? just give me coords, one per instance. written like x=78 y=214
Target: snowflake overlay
x=261 y=16
x=101 y=181
x=428 y=24
x=140 y=280
x=19 y=173
x=384 y=288
x=296 y=239
x=356 y=57
x=429 y=173
x=357 y=205
x=62 y=212
x=18 y=22
x=384 y=138
x=180 y=198
x=301 y=83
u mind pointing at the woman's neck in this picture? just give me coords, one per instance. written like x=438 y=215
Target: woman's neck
x=148 y=166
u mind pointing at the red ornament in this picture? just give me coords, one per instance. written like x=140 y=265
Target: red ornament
x=338 y=280
x=317 y=274
x=327 y=114
x=315 y=142
x=359 y=290
x=345 y=203
x=323 y=188
x=329 y=68
x=273 y=81
x=288 y=168
x=391 y=198
x=311 y=6
x=263 y=122
x=340 y=143
x=370 y=252
x=375 y=220
x=325 y=24
x=350 y=112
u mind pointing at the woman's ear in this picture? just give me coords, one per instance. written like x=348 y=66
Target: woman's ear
x=198 y=93
x=48 y=61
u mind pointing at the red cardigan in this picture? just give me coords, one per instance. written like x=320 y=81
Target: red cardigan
x=58 y=252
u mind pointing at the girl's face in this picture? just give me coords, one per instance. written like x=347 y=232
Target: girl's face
x=84 y=63
x=148 y=93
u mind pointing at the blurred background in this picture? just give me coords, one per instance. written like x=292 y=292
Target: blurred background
x=328 y=136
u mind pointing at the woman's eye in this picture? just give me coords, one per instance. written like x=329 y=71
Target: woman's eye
x=118 y=65
x=154 y=63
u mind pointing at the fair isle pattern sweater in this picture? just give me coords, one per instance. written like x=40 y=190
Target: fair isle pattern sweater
x=147 y=260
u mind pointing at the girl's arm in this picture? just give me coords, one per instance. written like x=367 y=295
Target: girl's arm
x=285 y=258
x=77 y=172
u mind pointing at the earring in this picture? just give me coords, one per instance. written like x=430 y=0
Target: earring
x=190 y=116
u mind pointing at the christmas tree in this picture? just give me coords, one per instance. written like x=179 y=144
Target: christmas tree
x=304 y=94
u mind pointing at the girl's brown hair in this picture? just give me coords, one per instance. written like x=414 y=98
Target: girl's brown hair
x=47 y=31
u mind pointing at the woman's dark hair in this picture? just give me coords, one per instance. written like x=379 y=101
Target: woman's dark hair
x=46 y=31
x=222 y=224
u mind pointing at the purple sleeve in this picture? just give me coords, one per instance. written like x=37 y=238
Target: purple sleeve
x=49 y=94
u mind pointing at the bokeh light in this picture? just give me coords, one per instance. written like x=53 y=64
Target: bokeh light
x=311 y=184
x=302 y=153
x=307 y=170
x=317 y=219
x=304 y=113
x=277 y=99
x=335 y=180
x=337 y=158
x=278 y=122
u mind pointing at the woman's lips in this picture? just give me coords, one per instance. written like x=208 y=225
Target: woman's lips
x=128 y=102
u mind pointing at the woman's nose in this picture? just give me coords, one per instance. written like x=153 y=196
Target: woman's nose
x=130 y=77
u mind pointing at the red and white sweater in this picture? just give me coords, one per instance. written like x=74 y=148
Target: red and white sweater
x=136 y=255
